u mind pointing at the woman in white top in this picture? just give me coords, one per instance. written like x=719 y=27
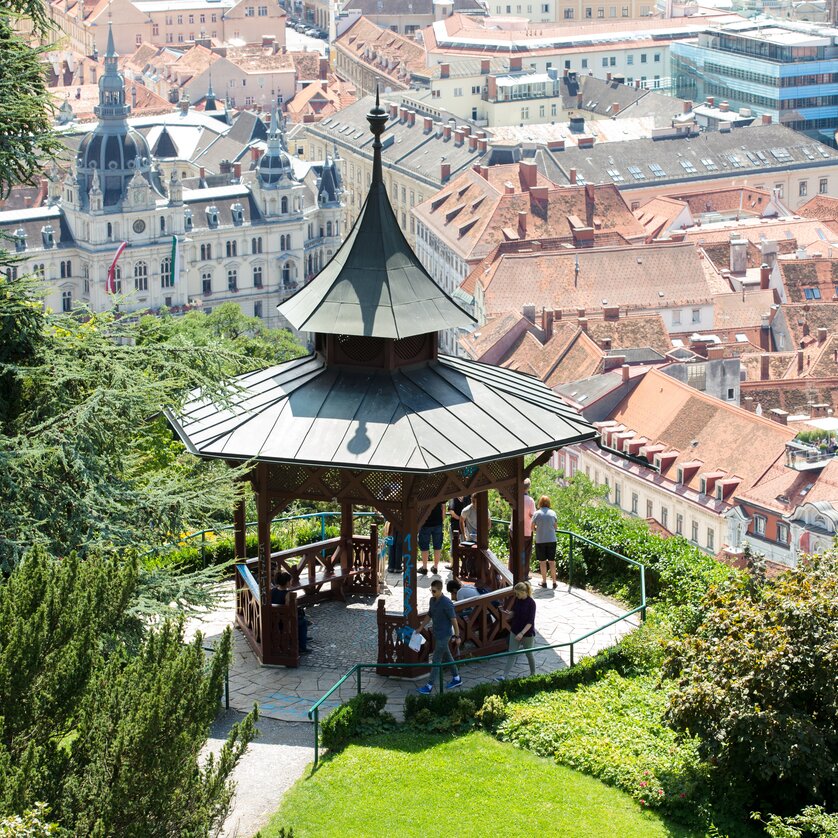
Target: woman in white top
x=544 y=525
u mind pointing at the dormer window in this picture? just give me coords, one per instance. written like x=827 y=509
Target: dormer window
x=187 y=220
x=680 y=474
x=20 y=239
x=703 y=486
x=48 y=235
x=238 y=213
x=212 y=216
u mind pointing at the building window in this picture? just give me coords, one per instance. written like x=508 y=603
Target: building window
x=643 y=57
x=180 y=20
x=823 y=186
x=206 y=283
x=600 y=12
x=167 y=278
x=257 y=276
x=257 y=308
x=731 y=394
x=629 y=60
x=140 y=276
x=584 y=63
x=605 y=61
x=568 y=14
x=697 y=376
x=676 y=317
x=256 y=245
x=696 y=315
x=650 y=509
x=138 y=39
x=759 y=524
x=206 y=252
x=572 y=465
x=263 y=11
x=232 y=248
x=783 y=533
x=66 y=301
x=679 y=524
x=249 y=11
x=283 y=206
x=657 y=57
x=155 y=29
x=812 y=293
x=665 y=517
x=525 y=113
x=634 y=502
x=803 y=188
x=694 y=533
x=66 y=269
x=618 y=494
x=711 y=539
x=232 y=280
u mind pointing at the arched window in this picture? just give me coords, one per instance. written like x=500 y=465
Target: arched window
x=162 y=223
x=232 y=248
x=206 y=251
x=206 y=282
x=284 y=205
x=140 y=276
x=286 y=273
x=110 y=230
x=256 y=245
x=329 y=228
x=167 y=279
x=232 y=280
x=257 y=276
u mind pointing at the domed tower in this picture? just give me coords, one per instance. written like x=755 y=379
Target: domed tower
x=275 y=168
x=114 y=149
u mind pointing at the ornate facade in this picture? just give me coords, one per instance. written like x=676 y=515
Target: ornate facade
x=253 y=237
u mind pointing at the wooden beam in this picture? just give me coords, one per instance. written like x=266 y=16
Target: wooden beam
x=517 y=558
x=263 y=529
x=481 y=501
x=240 y=527
x=540 y=460
x=410 y=550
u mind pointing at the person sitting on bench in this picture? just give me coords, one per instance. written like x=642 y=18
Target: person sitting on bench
x=279 y=594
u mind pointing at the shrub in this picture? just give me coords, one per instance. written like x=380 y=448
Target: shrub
x=363 y=715
x=493 y=712
x=812 y=821
x=757 y=684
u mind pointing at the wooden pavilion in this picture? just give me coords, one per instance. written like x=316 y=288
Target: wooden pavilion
x=375 y=417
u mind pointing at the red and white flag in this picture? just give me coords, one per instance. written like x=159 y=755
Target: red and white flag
x=110 y=284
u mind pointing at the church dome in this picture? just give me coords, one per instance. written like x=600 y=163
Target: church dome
x=275 y=165
x=109 y=151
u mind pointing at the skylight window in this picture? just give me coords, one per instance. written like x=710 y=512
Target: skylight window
x=656 y=170
x=688 y=167
x=636 y=173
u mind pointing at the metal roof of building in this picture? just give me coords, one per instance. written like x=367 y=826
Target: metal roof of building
x=375 y=285
x=448 y=414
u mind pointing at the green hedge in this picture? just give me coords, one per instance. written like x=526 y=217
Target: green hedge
x=363 y=715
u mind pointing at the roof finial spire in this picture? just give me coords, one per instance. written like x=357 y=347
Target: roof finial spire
x=377 y=119
x=111 y=50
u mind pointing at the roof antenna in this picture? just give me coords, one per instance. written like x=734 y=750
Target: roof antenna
x=576 y=273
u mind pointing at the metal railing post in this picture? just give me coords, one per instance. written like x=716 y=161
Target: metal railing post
x=203 y=548
x=571 y=654
x=441 y=679
x=570 y=564
x=358 y=683
x=643 y=593
x=316 y=736
x=227 y=687
x=322 y=526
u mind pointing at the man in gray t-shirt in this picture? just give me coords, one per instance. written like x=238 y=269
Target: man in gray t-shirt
x=443 y=621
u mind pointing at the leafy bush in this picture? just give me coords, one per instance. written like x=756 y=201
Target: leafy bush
x=493 y=712
x=459 y=718
x=33 y=823
x=757 y=684
x=612 y=729
x=812 y=821
x=362 y=715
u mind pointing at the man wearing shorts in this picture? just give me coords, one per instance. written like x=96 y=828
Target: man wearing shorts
x=431 y=531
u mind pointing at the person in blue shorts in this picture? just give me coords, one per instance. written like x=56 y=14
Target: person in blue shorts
x=431 y=531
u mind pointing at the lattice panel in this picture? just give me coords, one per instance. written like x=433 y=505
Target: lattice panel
x=408 y=348
x=385 y=485
x=362 y=349
x=334 y=478
x=286 y=478
x=428 y=486
x=501 y=469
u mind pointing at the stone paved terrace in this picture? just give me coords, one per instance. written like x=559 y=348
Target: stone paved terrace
x=344 y=634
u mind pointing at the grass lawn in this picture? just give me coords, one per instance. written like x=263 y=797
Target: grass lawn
x=417 y=784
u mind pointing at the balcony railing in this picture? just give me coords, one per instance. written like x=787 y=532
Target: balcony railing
x=804 y=457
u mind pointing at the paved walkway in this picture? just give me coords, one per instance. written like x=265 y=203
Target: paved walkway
x=346 y=633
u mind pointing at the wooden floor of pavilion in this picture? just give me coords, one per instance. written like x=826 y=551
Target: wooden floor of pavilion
x=346 y=633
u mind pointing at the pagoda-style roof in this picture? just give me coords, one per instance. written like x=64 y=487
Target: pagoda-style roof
x=375 y=285
x=451 y=413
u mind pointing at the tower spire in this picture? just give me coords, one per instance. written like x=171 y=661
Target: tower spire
x=111 y=50
x=377 y=119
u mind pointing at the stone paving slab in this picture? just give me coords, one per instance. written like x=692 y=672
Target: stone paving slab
x=344 y=634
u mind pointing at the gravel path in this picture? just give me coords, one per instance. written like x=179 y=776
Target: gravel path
x=277 y=757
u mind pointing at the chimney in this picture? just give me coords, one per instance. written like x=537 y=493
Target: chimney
x=637 y=84
x=472 y=143
x=268 y=41
x=615 y=108
x=715 y=352
x=482 y=145
x=711 y=101
x=572 y=176
x=255 y=154
x=225 y=167
x=484 y=172
x=764 y=367
x=444 y=172
x=324 y=69
x=611 y=312
x=529 y=174
x=585 y=142
x=626 y=370
x=458 y=136
x=516 y=62
x=402 y=113
x=237 y=171
x=724 y=107
x=444 y=70
x=522 y=225
x=411 y=118
x=446 y=132
x=687 y=107
x=764 y=276
x=579 y=100
x=779 y=416
x=738 y=255
x=821 y=335
x=590 y=204
x=427 y=124
x=184 y=105
x=608 y=76
x=748 y=404
x=485 y=65
x=766 y=119
x=605 y=343
x=201 y=173
x=547 y=323
x=583 y=324
x=799 y=361
x=508 y=188
x=394 y=110
x=529 y=312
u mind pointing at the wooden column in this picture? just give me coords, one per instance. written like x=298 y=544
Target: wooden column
x=346 y=557
x=410 y=549
x=516 y=551
x=481 y=502
x=240 y=528
x=263 y=528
